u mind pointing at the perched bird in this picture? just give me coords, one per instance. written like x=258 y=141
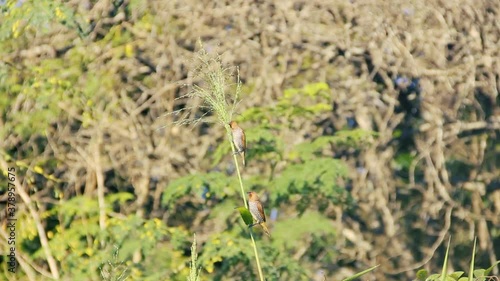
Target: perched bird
x=257 y=211
x=239 y=140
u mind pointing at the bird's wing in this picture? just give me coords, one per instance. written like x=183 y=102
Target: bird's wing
x=243 y=140
x=261 y=210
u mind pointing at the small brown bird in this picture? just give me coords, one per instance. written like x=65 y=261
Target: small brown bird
x=239 y=140
x=257 y=211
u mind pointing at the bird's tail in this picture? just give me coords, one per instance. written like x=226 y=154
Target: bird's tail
x=266 y=230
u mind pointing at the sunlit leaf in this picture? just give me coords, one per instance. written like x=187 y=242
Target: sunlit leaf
x=245 y=215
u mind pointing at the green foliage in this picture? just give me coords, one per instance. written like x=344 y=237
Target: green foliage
x=315 y=178
x=204 y=185
x=223 y=252
x=262 y=145
x=73 y=73
x=483 y=274
x=40 y=96
x=353 y=139
x=114 y=270
x=280 y=264
x=474 y=274
x=37 y=17
x=46 y=91
x=82 y=248
x=308 y=101
x=245 y=215
x=213 y=94
x=422 y=274
x=403 y=161
x=305 y=101
x=288 y=231
x=42 y=92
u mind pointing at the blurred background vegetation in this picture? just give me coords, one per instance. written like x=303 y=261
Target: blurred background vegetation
x=372 y=129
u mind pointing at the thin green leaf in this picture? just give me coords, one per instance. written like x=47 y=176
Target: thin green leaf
x=456 y=275
x=489 y=269
x=422 y=274
x=359 y=274
x=471 y=270
x=445 y=265
x=245 y=215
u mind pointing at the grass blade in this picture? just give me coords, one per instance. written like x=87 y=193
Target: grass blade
x=445 y=265
x=471 y=269
x=361 y=273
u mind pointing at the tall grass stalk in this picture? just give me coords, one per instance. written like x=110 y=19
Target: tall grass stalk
x=194 y=270
x=471 y=268
x=445 y=264
x=213 y=93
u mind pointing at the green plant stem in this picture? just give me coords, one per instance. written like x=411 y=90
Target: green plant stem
x=256 y=256
x=471 y=269
x=239 y=177
x=445 y=263
x=261 y=276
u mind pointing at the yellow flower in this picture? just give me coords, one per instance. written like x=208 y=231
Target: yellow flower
x=59 y=14
x=89 y=251
x=129 y=50
x=15 y=28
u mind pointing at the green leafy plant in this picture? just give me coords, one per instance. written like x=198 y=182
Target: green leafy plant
x=474 y=274
x=214 y=95
x=312 y=174
x=114 y=270
x=38 y=16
